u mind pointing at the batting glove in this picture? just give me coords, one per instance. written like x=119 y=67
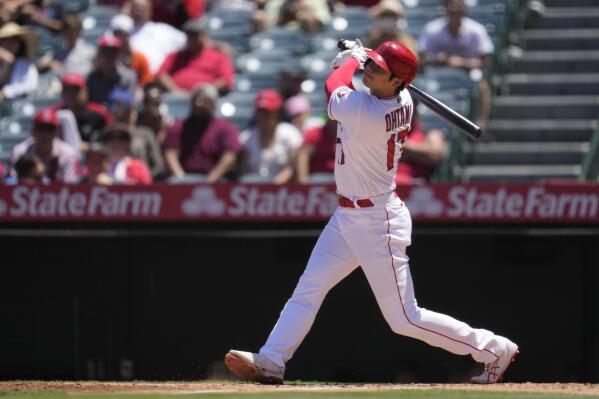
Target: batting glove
x=352 y=48
x=341 y=58
x=359 y=54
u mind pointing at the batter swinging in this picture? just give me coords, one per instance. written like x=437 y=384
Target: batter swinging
x=371 y=227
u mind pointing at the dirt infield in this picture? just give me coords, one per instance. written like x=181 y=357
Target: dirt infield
x=230 y=387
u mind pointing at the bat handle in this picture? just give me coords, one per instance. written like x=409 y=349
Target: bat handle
x=344 y=44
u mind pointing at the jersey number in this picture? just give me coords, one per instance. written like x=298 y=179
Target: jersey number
x=401 y=137
x=390 y=149
x=390 y=152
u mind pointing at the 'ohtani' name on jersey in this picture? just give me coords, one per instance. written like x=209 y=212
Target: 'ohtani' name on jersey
x=398 y=117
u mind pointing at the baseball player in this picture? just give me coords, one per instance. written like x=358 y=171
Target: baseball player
x=371 y=227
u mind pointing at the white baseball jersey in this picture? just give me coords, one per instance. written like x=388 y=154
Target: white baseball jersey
x=370 y=137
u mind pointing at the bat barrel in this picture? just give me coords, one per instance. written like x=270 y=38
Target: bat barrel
x=471 y=129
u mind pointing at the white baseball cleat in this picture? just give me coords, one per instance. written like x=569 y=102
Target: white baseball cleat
x=254 y=367
x=494 y=371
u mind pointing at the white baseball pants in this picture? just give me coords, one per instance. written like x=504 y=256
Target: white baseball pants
x=375 y=238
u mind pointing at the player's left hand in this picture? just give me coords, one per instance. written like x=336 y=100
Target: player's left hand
x=353 y=49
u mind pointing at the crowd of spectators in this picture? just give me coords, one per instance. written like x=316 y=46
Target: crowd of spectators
x=111 y=127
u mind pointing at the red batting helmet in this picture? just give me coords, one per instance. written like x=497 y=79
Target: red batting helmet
x=395 y=58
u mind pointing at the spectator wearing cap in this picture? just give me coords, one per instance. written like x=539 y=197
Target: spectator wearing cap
x=317 y=153
x=198 y=62
x=297 y=112
x=155 y=40
x=122 y=26
x=75 y=57
x=144 y=144
x=18 y=74
x=97 y=166
x=61 y=162
x=124 y=169
x=459 y=42
x=109 y=72
x=390 y=19
x=91 y=117
x=202 y=144
x=270 y=146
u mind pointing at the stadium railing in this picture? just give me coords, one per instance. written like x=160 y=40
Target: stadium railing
x=590 y=164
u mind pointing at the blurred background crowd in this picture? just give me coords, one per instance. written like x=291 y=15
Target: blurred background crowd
x=182 y=91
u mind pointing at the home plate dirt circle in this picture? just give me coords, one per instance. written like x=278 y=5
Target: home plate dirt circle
x=229 y=387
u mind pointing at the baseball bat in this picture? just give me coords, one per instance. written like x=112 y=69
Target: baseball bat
x=455 y=118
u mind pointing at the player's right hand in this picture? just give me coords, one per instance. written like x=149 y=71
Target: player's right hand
x=359 y=54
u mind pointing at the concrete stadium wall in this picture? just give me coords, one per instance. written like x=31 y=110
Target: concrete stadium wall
x=164 y=303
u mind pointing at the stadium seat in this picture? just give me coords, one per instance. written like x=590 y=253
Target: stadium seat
x=233 y=27
x=275 y=38
x=444 y=79
x=324 y=42
x=410 y=4
x=5 y=158
x=317 y=102
x=223 y=20
x=46 y=41
x=271 y=61
x=318 y=65
x=237 y=38
x=350 y=23
x=187 y=179
x=238 y=108
x=177 y=104
x=255 y=179
x=430 y=119
x=70 y=6
x=96 y=21
x=312 y=86
x=251 y=83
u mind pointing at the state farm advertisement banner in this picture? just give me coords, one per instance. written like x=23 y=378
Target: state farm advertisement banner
x=516 y=203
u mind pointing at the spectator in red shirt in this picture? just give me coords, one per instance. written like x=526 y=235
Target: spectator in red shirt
x=422 y=152
x=197 y=62
x=61 y=161
x=91 y=117
x=124 y=169
x=317 y=153
x=202 y=144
